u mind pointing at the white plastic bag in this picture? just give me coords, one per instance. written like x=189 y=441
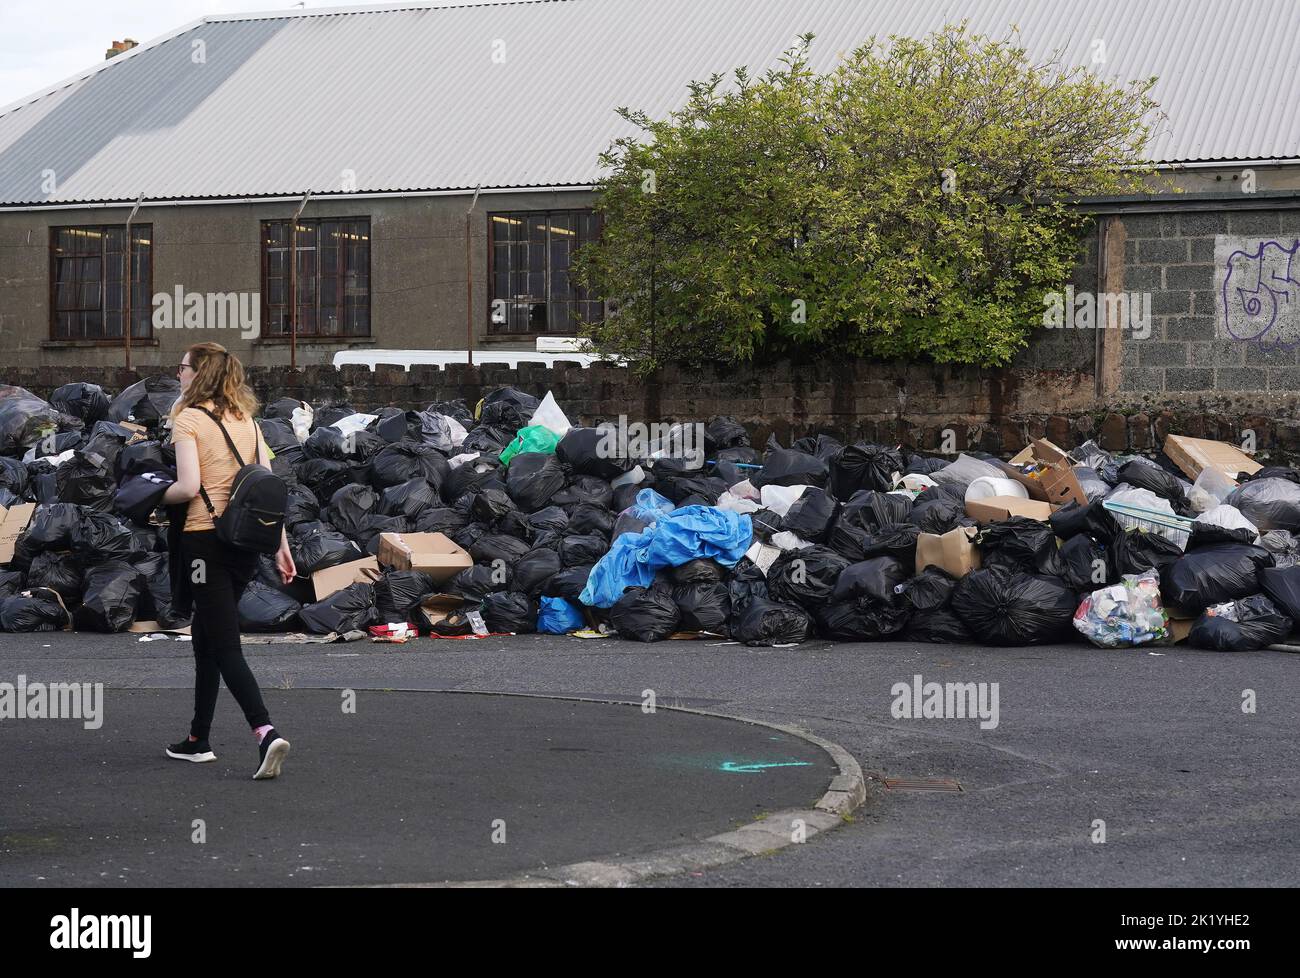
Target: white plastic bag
x=637 y=475
x=354 y=423
x=780 y=498
x=1228 y=516
x=549 y=415
x=785 y=540
x=301 y=421
x=732 y=503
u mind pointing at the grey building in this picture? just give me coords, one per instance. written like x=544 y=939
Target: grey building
x=438 y=164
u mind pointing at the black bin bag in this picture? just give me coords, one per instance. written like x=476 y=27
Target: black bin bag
x=875 y=578
x=805 y=577
x=1214 y=574
x=746 y=582
x=764 y=623
x=1271 y=504
x=582 y=548
x=1137 y=551
x=864 y=467
x=87 y=479
x=317 y=547
x=102 y=536
x=264 y=609
x=509 y=611
x=929 y=590
x=811 y=516
x=534 y=569
x=861 y=619
x=1259 y=623
x=347 y=610
x=111 y=598
x=1282 y=585
x=473 y=583
x=404 y=461
x=34 y=610
x=705 y=606
x=785 y=467
x=493 y=547
x=397 y=592
x=409 y=499
x=1004 y=607
x=1020 y=544
x=586 y=451
x=645 y=614
x=568 y=583
x=532 y=479
x=60 y=572
x=940 y=627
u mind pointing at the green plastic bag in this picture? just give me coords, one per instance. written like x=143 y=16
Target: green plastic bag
x=534 y=438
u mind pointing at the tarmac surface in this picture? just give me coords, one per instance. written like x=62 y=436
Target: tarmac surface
x=1193 y=790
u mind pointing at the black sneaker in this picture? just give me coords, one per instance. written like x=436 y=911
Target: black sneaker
x=192 y=750
x=274 y=749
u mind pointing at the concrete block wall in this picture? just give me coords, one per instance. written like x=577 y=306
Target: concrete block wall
x=1189 y=356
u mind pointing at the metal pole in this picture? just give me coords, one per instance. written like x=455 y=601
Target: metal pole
x=293 y=282
x=126 y=326
x=469 y=283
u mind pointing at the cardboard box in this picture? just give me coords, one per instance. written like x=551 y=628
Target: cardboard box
x=12 y=523
x=433 y=553
x=954 y=551
x=1192 y=455
x=437 y=607
x=997 y=508
x=1055 y=483
x=1180 y=628
x=326 y=582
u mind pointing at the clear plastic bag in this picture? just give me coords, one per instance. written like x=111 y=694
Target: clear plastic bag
x=966 y=470
x=1124 y=615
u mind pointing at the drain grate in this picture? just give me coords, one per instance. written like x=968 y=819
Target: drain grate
x=922 y=784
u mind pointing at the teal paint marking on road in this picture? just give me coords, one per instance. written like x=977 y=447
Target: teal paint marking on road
x=731 y=767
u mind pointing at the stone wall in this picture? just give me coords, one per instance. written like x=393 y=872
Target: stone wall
x=992 y=410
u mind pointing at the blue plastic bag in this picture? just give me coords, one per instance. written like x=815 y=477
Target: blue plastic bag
x=675 y=538
x=558 y=616
x=649 y=506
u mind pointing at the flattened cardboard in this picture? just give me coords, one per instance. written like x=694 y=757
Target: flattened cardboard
x=12 y=523
x=331 y=579
x=997 y=508
x=433 y=553
x=954 y=551
x=149 y=627
x=1180 y=628
x=1193 y=455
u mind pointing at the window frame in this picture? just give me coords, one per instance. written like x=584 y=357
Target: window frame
x=547 y=214
x=144 y=229
x=315 y=335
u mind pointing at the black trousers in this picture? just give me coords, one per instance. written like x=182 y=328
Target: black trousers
x=218 y=575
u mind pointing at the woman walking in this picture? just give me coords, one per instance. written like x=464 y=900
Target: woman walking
x=205 y=571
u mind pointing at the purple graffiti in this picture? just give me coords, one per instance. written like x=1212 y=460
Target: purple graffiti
x=1261 y=295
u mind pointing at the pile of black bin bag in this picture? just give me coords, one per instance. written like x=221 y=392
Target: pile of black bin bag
x=845 y=550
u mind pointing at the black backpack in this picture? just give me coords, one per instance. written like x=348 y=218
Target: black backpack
x=254 y=516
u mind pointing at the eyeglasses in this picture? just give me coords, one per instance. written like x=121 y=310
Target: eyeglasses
x=183 y=366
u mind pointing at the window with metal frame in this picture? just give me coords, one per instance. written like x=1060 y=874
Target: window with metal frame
x=528 y=280
x=332 y=281
x=87 y=282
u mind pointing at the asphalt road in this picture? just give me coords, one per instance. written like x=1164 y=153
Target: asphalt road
x=403 y=787
x=1155 y=744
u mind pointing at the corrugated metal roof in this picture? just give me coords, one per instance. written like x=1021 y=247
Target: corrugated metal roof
x=411 y=98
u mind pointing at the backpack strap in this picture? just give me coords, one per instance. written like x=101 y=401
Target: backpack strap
x=257 y=454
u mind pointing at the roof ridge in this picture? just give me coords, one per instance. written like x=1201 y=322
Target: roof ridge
x=295 y=13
